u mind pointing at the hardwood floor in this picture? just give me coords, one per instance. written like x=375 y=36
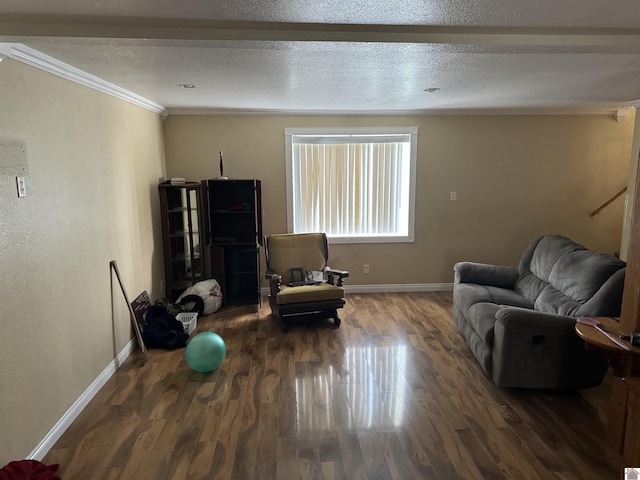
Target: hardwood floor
x=393 y=393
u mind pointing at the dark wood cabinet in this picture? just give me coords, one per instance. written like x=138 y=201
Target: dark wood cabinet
x=235 y=235
x=181 y=211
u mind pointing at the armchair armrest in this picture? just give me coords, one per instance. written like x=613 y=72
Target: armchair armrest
x=485 y=274
x=275 y=280
x=332 y=272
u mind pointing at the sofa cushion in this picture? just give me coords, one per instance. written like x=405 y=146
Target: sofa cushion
x=465 y=295
x=480 y=350
x=482 y=318
x=558 y=275
x=538 y=261
x=479 y=304
x=580 y=274
x=552 y=300
x=530 y=286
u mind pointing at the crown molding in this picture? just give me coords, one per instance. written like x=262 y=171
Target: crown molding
x=615 y=111
x=34 y=58
x=5 y=51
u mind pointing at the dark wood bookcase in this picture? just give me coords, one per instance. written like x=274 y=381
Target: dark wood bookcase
x=183 y=237
x=235 y=236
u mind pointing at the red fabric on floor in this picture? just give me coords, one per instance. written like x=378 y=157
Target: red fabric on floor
x=29 y=470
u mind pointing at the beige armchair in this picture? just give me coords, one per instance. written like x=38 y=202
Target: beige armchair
x=302 y=286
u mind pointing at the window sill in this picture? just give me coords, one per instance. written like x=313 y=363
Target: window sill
x=371 y=239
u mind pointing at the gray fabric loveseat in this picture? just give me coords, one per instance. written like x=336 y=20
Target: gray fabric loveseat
x=520 y=322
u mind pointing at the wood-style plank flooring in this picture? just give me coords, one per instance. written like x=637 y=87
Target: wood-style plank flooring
x=393 y=393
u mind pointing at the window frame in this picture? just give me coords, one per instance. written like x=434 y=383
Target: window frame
x=411 y=131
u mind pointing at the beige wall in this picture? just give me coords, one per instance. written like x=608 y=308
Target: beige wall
x=516 y=177
x=93 y=168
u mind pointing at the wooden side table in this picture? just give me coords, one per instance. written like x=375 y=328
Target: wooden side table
x=625 y=363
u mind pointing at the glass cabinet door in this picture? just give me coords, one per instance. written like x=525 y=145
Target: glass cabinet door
x=182 y=236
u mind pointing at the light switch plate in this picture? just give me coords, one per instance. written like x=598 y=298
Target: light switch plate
x=22 y=186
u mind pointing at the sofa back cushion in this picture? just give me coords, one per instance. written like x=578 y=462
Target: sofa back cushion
x=560 y=276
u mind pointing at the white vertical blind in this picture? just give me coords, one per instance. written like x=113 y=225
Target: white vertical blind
x=349 y=186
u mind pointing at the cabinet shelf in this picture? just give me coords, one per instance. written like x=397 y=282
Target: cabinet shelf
x=181 y=257
x=237 y=244
x=183 y=233
x=182 y=210
x=219 y=241
x=234 y=212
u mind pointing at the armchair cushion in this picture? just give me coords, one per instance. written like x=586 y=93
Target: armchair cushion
x=308 y=293
x=304 y=251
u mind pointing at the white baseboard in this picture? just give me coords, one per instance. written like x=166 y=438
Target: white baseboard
x=390 y=287
x=70 y=415
x=400 y=287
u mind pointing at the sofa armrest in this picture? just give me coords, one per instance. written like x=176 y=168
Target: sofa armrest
x=532 y=322
x=485 y=274
x=541 y=350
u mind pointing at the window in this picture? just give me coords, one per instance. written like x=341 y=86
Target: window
x=357 y=185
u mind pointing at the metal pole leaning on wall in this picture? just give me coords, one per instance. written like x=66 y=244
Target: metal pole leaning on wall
x=134 y=322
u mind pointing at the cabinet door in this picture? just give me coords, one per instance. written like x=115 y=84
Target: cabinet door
x=181 y=236
x=241 y=274
x=234 y=212
x=235 y=226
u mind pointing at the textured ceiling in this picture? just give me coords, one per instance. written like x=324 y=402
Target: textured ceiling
x=336 y=56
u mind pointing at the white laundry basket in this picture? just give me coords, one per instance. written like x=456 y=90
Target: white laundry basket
x=189 y=321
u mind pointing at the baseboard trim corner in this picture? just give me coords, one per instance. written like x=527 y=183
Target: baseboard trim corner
x=70 y=415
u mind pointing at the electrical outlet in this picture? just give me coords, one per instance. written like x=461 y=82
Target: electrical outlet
x=365 y=268
x=453 y=196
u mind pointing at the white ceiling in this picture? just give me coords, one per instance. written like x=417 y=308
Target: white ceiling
x=346 y=57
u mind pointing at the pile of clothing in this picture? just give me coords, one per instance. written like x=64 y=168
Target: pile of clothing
x=29 y=470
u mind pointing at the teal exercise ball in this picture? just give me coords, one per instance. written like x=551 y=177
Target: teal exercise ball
x=205 y=352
